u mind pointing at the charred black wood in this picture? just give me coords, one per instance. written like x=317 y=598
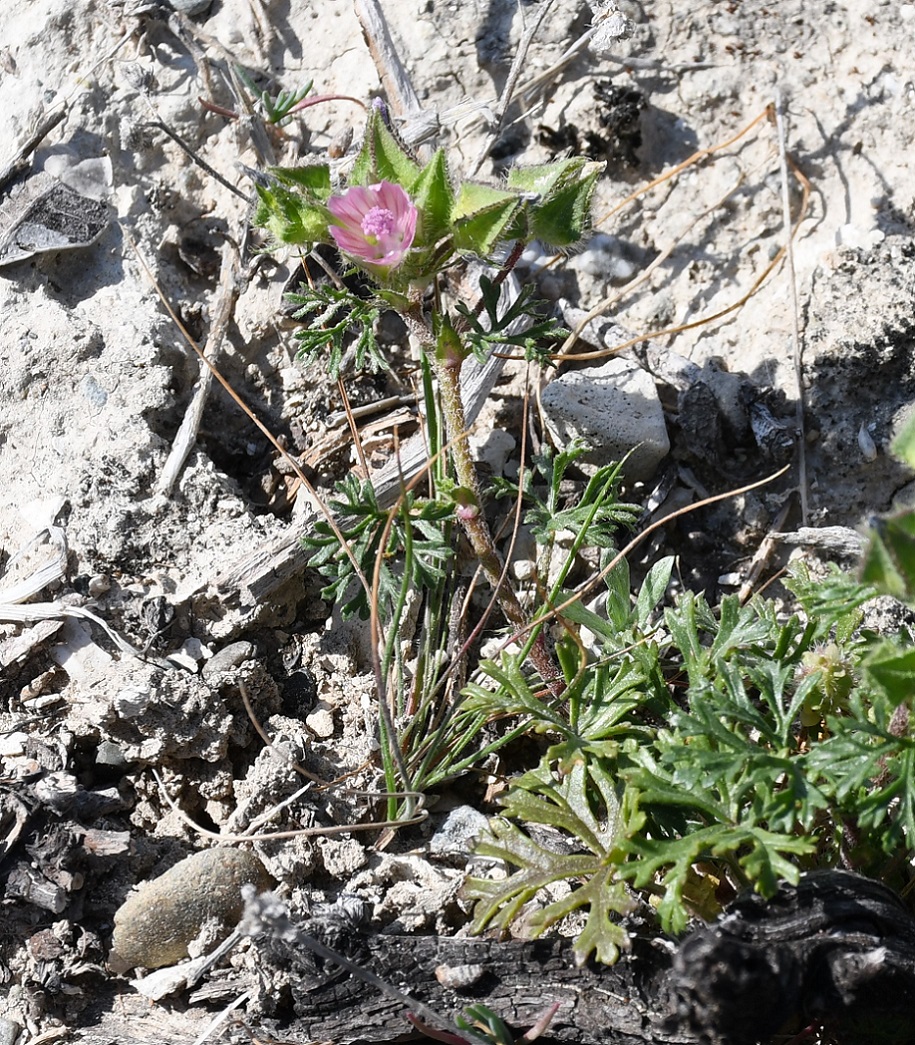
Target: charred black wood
x=836 y=953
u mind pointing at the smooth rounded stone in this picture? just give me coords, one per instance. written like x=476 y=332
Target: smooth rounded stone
x=614 y=409
x=153 y=927
x=10 y=1031
x=321 y=721
x=227 y=658
x=191 y=7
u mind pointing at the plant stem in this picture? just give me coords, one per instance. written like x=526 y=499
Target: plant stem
x=448 y=372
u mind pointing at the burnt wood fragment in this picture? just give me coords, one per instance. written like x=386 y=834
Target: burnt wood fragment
x=836 y=952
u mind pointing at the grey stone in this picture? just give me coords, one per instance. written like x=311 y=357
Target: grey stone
x=461 y=828
x=154 y=926
x=191 y=7
x=9 y=1031
x=110 y=754
x=614 y=408
x=227 y=658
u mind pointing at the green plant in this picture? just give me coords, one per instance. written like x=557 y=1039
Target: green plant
x=279 y=108
x=702 y=776
x=687 y=751
x=402 y=224
x=480 y=1025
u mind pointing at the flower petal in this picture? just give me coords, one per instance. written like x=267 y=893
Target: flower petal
x=374 y=224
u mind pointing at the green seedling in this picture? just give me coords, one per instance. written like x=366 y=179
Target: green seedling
x=279 y=108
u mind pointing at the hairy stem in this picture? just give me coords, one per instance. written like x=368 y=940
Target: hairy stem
x=448 y=371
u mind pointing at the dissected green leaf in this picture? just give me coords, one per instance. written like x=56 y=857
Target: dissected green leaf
x=764 y=855
x=513 y=325
x=416 y=535
x=335 y=319
x=596 y=819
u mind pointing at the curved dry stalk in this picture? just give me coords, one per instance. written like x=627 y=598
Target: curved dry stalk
x=315 y=499
x=326 y=831
x=509 y=90
x=699 y=154
x=602 y=306
x=624 y=291
x=795 y=308
x=563 y=354
x=598 y=310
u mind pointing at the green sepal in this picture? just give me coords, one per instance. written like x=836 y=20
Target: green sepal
x=543 y=179
x=450 y=350
x=481 y=217
x=560 y=216
x=889 y=563
x=313 y=179
x=289 y=217
x=565 y=219
x=393 y=299
x=434 y=199
x=382 y=157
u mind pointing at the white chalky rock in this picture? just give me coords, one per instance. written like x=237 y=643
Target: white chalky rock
x=614 y=408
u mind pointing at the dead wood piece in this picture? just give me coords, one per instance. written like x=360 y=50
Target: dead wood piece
x=520 y=981
x=838 y=950
x=253 y=579
x=14 y=815
x=224 y=307
x=835 y=540
x=21 y=156
x=394 y=77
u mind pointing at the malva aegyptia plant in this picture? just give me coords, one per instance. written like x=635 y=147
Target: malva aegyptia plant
x=691 y=750
x=403 y=224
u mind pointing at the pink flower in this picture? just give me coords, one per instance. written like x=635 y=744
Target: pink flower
x=375 y=223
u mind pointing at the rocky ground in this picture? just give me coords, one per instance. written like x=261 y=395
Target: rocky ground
x=141 y=592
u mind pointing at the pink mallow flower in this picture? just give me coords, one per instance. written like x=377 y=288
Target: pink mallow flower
x=375 y=223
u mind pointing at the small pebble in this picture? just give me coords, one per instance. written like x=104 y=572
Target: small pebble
x=459 y=977
x=10 y=1031
x=227 y=658
x=110 y=754
x=321 y=721
x=191 y=7
x=153 y=927
x=457 y=834
x=99 y=584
